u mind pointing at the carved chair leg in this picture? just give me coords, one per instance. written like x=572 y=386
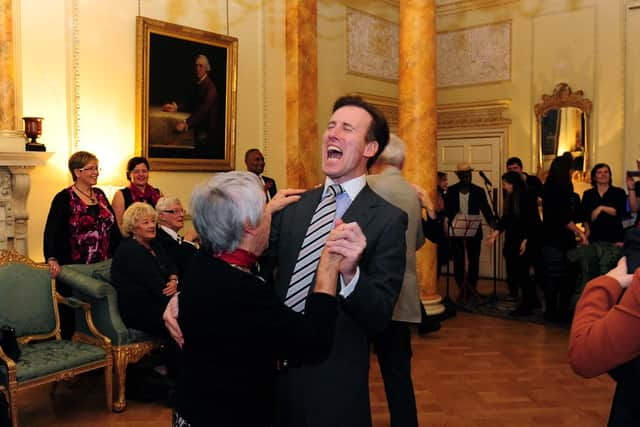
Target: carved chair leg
x=13 y=404
x=121 y=359
x=108 y=383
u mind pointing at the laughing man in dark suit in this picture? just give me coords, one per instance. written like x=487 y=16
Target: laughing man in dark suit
x=336 y=392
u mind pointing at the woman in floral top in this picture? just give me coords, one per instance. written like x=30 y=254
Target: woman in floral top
x=81 y=226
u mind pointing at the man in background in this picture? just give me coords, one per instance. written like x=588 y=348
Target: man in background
x=465 y=198
x=534 y=185
x=254 y=160
x=393 y=345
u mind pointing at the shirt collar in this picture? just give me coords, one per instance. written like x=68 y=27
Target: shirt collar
x=170 y=232
x=351 y=187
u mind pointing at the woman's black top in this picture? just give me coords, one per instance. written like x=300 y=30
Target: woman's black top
x=557 y=211
x=139 y=278
x=525 y=224
x=605 y=228
x=235 y=328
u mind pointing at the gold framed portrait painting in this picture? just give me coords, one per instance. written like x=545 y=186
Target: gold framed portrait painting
x=185 y=97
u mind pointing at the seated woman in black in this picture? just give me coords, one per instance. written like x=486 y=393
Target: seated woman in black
x=603 y=207
x=143 y=274
x=235 y=327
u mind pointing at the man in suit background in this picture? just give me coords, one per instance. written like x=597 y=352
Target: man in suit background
x=170 y=221
x=534 y=185
x=467 y=199
x=393 y=345
x=336 y=392
x=254 y=160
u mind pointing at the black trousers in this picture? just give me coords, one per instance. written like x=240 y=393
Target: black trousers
x=558 y=283
x=393 y=348
x=518 y=277
x=473 y=259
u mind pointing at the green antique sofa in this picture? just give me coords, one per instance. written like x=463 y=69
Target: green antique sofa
x=92 y=283
x=29 y=304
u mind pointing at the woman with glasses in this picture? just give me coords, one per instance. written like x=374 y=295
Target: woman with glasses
x=81 y=226
x=139 y=189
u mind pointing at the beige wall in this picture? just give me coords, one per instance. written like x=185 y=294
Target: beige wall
x=333 y=79
x=106 y=61
x=581 y=42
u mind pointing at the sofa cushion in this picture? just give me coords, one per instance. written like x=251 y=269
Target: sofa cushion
x=48 y=357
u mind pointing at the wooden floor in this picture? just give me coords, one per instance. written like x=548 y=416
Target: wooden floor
x=476 y=371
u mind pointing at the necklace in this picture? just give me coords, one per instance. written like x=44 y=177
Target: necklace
x=90 y=196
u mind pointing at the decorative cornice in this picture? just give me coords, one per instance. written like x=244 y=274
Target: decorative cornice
x=449 y=7
x=473 y=114
x=24 y=158
x=479 y=114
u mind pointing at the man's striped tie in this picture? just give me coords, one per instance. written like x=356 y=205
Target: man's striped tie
x=321 y=225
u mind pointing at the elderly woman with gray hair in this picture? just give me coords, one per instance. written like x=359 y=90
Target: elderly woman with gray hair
x=234 y=327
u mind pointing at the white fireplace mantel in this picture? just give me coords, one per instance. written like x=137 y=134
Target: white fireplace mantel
x=15 y=183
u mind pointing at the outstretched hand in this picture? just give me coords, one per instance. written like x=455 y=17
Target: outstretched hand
x=620 y=274
x=284 y=198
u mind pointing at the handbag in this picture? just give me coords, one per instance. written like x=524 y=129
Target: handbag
x=9 y=343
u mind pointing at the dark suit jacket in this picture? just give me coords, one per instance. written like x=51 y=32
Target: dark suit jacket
x=180 y=253
x=270 y=185
x=478 y=203
x=235 y=328
x=336 y=392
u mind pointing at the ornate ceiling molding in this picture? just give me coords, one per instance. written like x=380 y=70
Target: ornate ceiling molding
x=481 y=114
x=449 y=7
x=473 y=114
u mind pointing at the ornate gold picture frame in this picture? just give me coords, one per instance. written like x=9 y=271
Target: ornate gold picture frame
x=186 y=87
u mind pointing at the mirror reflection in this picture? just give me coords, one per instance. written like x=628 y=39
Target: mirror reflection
x=563 y=131
x=563 y=125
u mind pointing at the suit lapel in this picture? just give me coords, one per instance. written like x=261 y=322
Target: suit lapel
x=362 y=208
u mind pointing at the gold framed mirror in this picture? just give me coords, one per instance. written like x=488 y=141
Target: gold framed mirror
x=563 y=125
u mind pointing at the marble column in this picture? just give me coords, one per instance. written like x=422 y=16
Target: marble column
x=11 y=139
x=303 y=149
x=417 y=121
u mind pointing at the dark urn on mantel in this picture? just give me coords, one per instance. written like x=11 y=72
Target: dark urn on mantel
x=32 y=130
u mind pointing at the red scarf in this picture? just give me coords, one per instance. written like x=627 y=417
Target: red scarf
x=150 y=195
x=239 y=257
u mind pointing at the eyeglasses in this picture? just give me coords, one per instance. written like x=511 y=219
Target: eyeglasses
x=91 y=169
x=174 y=211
